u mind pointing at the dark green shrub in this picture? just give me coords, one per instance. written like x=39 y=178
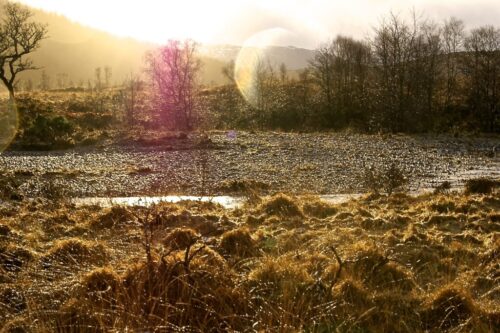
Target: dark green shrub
x=48 y=133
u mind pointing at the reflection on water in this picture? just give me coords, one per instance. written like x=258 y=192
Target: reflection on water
x=228 y=202
x=225 y=201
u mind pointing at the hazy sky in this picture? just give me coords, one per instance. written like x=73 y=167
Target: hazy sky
x=306 y=22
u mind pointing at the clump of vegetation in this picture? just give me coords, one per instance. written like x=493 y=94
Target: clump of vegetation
x=238 y=242
x=180 y=239
x=46 y=132
x=74 y=251
x=399 y=274
x=13 y=258
x=319 y=209
x=448 y=308
x=244 y=186
x=101 y=287
x=53 y=189
x=442 y=188
x=116 y=216
x=281 y=205
x=481 y=186
x=389 y=179
x=9 y=187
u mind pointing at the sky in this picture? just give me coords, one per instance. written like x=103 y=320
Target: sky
x=303 y=23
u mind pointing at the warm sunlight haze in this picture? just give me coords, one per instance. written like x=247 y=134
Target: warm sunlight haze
x=305 y=166
x=234 y=21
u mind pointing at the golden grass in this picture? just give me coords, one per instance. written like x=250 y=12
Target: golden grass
x=376 y=264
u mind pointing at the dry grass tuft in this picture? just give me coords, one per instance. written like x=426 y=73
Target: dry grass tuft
x=180 y=239
x=13 y=258
x=285 y=276
x=74 y=251
x=12 y=300
x=73 y=317
x=448 y=308
x=238 y=242
x=387 y=264
x=16 y=325
x=116 y=216
x=101 y=280
x=319 y=209
x=5 y=231
x=281 y=205
x=351 y=293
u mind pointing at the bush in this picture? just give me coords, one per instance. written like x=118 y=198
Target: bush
x=481 y=186
x=9 y=187
x=47 y=132
x=442 y=188
x=389 y=179
x=95 y=120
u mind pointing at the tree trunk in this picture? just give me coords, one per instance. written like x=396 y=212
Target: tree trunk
x=12 y=97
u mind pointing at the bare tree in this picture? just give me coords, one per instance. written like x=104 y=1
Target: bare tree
x=44 y=81
x=132 y=87
x=107 y=76
x=97 y=78
x=482 y=71
x=340 y=70
x=18 y=37
x=322 y=72
x=453 y=39
x=173 y=70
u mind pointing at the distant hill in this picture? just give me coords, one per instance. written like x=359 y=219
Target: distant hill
x=73 y=52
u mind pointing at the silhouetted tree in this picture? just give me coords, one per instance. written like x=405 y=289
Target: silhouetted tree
x=482 y=71
x=107 y=76
x=18 y=37
x=97 y=78
x=340 y=70
x=453 y=39
x=44 y=81
x=132 y=86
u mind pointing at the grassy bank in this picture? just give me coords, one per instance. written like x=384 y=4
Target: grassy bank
x=386 y=264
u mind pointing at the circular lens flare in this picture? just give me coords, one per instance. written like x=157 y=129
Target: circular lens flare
x=8 y=123
x=254 y=61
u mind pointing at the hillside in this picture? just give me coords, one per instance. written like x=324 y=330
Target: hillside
x=74 y=51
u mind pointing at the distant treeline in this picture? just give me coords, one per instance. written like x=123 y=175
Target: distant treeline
x=410 y=76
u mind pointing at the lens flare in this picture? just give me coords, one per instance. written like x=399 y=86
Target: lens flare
x=8 y=123
x=254 y=59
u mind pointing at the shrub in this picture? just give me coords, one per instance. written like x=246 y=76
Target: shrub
x=53 y=189
x=442 y=188
x=481 y=186
x=9 y=187
x=388 y=179
x=47 y=132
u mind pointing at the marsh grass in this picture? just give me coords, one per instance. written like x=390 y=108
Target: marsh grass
x=376 y=264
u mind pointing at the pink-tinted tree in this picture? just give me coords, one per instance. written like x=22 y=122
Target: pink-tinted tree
x=173 y=70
